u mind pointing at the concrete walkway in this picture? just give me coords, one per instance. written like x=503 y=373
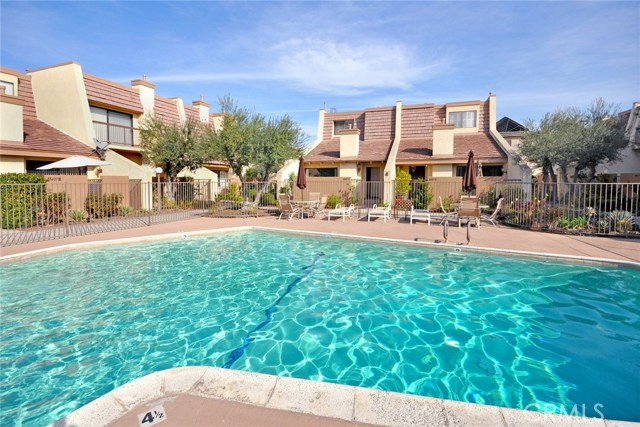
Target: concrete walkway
x=487 y=236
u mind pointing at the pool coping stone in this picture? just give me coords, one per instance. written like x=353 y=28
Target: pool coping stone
x=350 y=403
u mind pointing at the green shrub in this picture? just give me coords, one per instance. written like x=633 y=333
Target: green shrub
x=102 y=206
x=54 y=210
x=20 y=202
x=185 y=204
x=447 y=204
x=268 y=199
x=168 y=203
x=125 y=210
x=77 y=215
x=621 y=221
x=403 y=182
x=333 y=200
x=231 y=194
x=423 y=195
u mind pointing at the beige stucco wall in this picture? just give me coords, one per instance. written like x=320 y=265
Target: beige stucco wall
x=121 y=166
x=349 y=143
x=630 y=163
x=443 y=141
x=11 y=164
x=441 y=171
x=201 y=173
x=147 y=98
x=348 y=170
x=290 y=167
x=11 y=122
x=61 y=100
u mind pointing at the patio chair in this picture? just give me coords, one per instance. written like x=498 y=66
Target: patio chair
x=420 y=214
x=444 y=215
x=321 y=207
x=286 y=207
x=494 y=216
x=469 y=210
x=340 y=211
x=376 y=212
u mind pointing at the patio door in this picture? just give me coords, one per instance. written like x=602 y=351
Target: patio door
x=374 y=186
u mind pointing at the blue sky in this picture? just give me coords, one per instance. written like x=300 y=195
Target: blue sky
x=291 y=57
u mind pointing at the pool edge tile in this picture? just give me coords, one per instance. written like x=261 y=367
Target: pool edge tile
x=238 y=386
x=473 y=414
x=524 y=418
x=398 y=409
x=313 y=397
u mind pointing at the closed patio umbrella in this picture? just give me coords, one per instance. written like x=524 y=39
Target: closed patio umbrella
x=469 y=180
x=74 y=162
x=301 y=183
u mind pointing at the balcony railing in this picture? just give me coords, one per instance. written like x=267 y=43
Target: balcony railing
x=114 y=134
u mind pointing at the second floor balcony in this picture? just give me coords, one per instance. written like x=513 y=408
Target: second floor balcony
x=116 y=134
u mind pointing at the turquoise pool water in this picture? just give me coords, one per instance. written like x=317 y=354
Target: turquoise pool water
x=463 y=326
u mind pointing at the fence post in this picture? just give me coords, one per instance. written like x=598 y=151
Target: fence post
x=66 y=209
x=151 y=207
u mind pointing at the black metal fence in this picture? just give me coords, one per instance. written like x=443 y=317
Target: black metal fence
x=37 y=212
x=583 y=208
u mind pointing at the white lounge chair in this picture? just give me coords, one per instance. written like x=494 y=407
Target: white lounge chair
x=494 y=216
x=420 y=214
x=376 y=212
x=340 y=211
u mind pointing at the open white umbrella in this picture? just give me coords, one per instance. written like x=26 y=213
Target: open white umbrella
x=74 y=162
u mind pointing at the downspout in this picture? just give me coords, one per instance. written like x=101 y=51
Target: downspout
x=390 y=167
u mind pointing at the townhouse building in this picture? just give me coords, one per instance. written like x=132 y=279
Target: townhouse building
x=51 y=113
x=429 y=141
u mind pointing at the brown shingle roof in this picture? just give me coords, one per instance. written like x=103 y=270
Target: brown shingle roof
x=26 y=94
x=483 y=146
x=106 y=93
x=375 y=150
x=191 y=113
x=166 y=109
x=39 y=136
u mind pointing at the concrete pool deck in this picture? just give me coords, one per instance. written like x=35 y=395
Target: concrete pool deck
x=502 y=238
x=210 y=396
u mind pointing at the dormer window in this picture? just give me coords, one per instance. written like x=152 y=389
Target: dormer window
x=339 y=125
x=8 y=87
x=463 y=119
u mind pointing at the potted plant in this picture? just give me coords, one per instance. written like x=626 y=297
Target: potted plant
x=403 y=180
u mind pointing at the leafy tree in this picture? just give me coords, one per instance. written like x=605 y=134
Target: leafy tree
x=581 y=139
x=172 y=146
x=234 y=142
x=277 y=141
x=254 y=147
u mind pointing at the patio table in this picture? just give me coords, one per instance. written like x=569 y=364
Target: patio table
x=304 y=206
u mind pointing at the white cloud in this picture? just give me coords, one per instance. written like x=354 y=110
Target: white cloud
x=350 y=68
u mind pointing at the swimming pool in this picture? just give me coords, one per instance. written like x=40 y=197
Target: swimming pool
x=465 y=326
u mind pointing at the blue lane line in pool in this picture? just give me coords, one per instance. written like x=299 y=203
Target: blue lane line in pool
x=246 y=340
